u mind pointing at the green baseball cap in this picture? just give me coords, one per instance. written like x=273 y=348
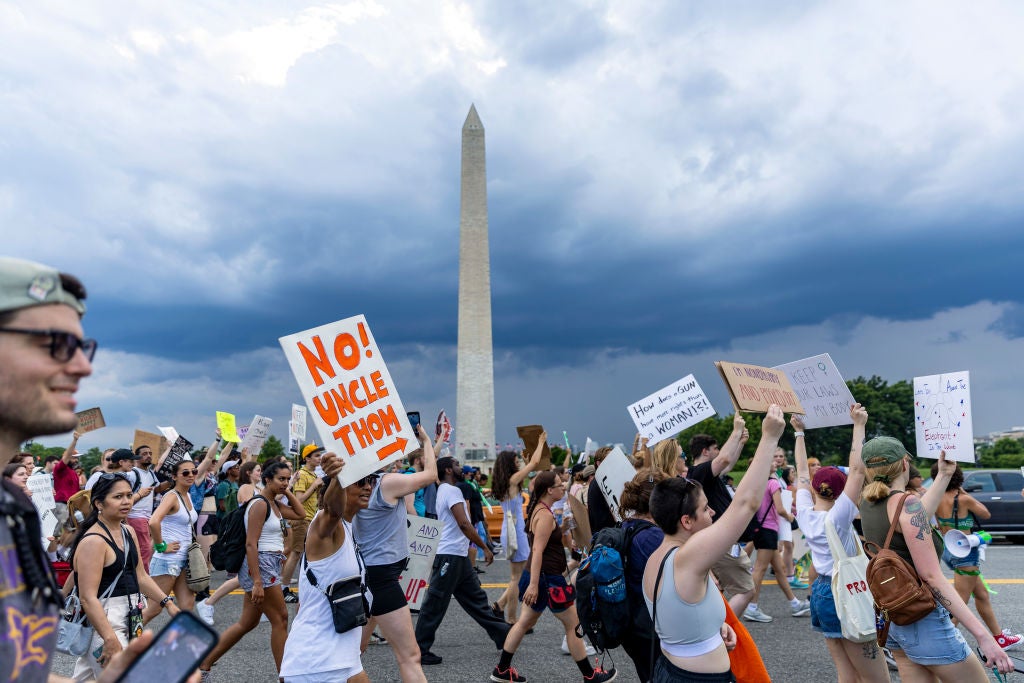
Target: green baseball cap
x=24 y=284
x=882 y=451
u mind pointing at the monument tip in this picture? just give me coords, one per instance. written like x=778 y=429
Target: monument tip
x=472 y=120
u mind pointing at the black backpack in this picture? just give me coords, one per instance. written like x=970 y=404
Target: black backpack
x=753 y=526
x=228 y=551
x=602 y=600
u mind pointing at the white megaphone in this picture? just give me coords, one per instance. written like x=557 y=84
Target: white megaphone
x=960 y=544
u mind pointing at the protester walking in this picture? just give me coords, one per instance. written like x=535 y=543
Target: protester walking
x=307 y=489
x=930 y=648
x=172 y=527
x=686 y=607
x=542 y=585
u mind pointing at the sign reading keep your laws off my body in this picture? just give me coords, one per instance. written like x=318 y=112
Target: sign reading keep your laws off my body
x=352 y=399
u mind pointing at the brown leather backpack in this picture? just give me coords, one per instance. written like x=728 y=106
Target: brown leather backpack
x=900 y=597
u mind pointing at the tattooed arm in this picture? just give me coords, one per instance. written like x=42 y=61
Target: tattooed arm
x=933 y=496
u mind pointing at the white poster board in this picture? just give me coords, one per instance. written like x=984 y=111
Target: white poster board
x=424 y=536
x=821 y=389
x=352 y=399
x=669 y=411
x=41 y=486
x=170 y=433
x=611 y=477
x=299 y=420
x=256 y=434
x=942 y=416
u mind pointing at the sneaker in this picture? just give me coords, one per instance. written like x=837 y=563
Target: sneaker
x=509 y=675
x=263 y=619
x=428 y=658
x=797 y=583
x=591 y=652
x=377 y=639
x=801 y=610
x=291 y=597
x=1008 y=641
x=205 y=676
x=757 y=615
x=205 y=611
x=890 y=661
x=600 y=676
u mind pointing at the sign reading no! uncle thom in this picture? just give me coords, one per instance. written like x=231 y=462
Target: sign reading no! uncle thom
x=351 y=397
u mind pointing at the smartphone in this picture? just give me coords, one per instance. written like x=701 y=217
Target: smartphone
x=414 y=419
x=175 y=653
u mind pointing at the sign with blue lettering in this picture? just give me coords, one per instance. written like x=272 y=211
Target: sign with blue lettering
x=669 y=411
x=821 y=389
x=942 y=416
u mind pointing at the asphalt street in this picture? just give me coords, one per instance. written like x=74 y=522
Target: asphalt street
x=792 y=652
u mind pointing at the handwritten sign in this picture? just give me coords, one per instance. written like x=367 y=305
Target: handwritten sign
x=753 y=388
x=170 y=433
x=615 y=470
x=90 y=420
x=423 y=536
x=256 y=435
x=156 y=442
x=181 y=450
x=41 y=486
x=669 y=411
x=530 y=434
x=821 y=390
x=353 y=401
x=226 y=425
x=299 y=420
x=942 y=416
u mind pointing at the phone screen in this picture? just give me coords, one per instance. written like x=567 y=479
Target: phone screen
x=175 y=653
x=414 y=419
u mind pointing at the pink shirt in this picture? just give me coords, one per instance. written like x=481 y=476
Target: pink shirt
x=65 y=482
x=772 y=520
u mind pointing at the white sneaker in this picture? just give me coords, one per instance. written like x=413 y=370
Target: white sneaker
x=757 y=615
x=591 y=652
x=801 y=610
x=205 y=611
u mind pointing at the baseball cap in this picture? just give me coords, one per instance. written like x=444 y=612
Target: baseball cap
x=577 y=468
x=883 y=450
x=311 y=449
x=227 y=466
x=122 y=454
x=466 y=469
x=829 y=482
x=25 y=283
x=588 y=471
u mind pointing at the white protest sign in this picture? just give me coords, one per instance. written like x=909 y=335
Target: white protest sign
x=423 y=535
x=41 y=486
x=611 y=477
x=170 y=433
x=821 y=390
x=942 y=416
x=353 y=401
x=669 y=411
x=256 y=435
x=299 y=420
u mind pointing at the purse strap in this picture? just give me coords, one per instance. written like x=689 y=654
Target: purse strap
x=191 y=526
x=835 y=545
x=311 y=577
x=654 y=602
x=895 y=521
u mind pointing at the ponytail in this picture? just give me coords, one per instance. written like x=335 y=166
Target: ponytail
x=879 y=479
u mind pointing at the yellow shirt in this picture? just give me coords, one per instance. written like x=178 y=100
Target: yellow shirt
x=302 y=483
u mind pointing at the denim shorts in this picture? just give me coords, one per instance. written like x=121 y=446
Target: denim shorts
x=159 y=566
x=547 y=581
x=973 y=559
x=932 y=641
x=824 y=618
x=270 y=571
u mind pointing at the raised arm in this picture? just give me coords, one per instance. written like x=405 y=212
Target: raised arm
x=334 y=498
x=70 y=450
x=855 y=478
x=803 y=471
x=933 y=496
x=729 y=453
x=210 y=459
x=395 y=485
x=517 y=478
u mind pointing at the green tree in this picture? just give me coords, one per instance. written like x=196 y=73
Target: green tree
x=272 y=448
x=90 y=459
x=1003 y=453
x=558 y=455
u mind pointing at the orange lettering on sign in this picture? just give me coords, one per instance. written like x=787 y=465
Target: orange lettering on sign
x=346 y=351
x=317 y=363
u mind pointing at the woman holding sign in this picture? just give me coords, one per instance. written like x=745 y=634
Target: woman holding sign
x=380 y=532
x=506 y=485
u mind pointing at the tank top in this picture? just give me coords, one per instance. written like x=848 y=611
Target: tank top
x=553 y=558
x=687 y=629
x=127 y=584
x=874 y=519
x=380 y=530
x=178 y=527
x=313 y=646
x=272 y=535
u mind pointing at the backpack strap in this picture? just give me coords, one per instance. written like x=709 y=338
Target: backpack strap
x=895 y=521
x=654 y=602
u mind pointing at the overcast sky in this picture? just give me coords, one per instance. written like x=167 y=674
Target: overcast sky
x=669 y=184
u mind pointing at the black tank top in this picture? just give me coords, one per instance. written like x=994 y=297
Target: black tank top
x=128 y=584
x=553 y=558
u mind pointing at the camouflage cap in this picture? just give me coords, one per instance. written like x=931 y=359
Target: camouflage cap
x=24 y=284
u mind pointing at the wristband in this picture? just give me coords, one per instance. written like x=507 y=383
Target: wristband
x=167 y=599
x=160 y=547
x=796 y=434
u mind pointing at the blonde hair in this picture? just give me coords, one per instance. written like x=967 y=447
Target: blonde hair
x=879 y=479
x=665 y=455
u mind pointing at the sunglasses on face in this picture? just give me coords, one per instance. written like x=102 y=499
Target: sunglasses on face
x=107 y=476
x=188 y=473
x=62 y=344
x=690 y=486
x=368 y=480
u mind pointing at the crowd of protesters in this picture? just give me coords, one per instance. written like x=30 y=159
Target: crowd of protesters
x=686 y=572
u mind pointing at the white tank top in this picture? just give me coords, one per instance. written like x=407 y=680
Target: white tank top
x=272 y=536
x=178 y=527
x=313 y=647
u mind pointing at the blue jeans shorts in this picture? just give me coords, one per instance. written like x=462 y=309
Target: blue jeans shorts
x=931 y=641
x=824 y=618
x=973 y=559
x=159 y=566
x=547 y=581
x=270 y=571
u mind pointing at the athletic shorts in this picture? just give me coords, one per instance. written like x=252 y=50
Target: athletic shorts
x=270 y=571
x=734 y=573
x=326 y=676
x=667 y=672
x=766 y=539
x=824 y=618
x=382 y=582
x=932 y=641
x=546 y=581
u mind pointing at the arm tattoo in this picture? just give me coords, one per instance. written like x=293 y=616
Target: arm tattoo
x=940 y=598
x=920 y=520
x=913 y=505
x=869 y=651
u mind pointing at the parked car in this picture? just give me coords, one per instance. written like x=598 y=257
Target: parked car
x=1000 y=491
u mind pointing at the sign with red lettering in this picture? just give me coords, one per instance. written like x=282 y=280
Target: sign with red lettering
x=943 y=416
x=753 y=388
x=351 y=398
x=423 y=536
x=90 y=420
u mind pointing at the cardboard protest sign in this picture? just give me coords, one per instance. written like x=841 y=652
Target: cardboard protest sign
x=581 y=534
x=90 y=420
x=669 y=411
x=41 y=486
x=181 y=449
x=821 y=390
x=753 y=388
x=226 y=425
x=256 y=435
x=299 y=419
x=353 y=401
x=942 y=416
x=423 y=535
x=611 y=476
x=530 y=434
x=156 y=442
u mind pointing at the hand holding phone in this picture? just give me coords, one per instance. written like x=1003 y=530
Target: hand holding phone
x=172 y=657
x=414 y=420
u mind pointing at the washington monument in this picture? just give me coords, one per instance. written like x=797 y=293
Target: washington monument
x=474 y=403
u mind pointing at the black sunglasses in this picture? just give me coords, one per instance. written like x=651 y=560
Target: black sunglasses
x=187 y=473
x=370 y=479
x=62 y=344
x=690 y=486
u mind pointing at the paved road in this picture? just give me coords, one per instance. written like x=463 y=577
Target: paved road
x=793 y=653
